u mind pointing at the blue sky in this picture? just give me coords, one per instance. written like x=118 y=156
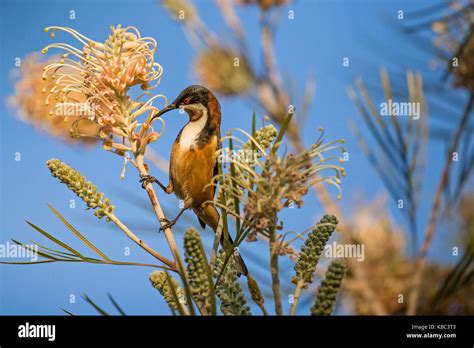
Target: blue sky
x=322 y=33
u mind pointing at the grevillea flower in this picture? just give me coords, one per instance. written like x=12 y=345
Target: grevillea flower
x=104 y=73
x=56 y=119
x=270 y=182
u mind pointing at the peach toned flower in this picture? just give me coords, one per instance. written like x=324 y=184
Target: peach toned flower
x=56 y=119
x=104 y=73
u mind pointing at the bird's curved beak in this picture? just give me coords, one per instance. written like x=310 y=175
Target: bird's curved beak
x=170 y=107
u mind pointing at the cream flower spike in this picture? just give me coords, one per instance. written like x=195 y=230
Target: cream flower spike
x=104 y=72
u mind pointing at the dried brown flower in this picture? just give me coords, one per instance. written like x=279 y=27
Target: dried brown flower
x=224 y=70
x=265 y=4
x=455 y=37
x=383 y=277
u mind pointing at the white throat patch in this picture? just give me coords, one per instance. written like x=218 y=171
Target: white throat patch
x=191 y=131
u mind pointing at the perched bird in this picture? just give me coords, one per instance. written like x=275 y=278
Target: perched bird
x=193 y=161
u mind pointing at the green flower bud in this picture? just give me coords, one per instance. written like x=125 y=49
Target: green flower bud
x=329 y=287
x=197 y=269
x=311 y=250
x=255 y=292
x=264 y=137
x=160 y=282
x=229 y=291
x=78 y=184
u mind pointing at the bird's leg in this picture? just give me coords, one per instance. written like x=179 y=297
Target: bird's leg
x=169 y=223
x=148 y=179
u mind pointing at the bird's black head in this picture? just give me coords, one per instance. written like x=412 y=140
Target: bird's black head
x=192 y=99
x=194 y=94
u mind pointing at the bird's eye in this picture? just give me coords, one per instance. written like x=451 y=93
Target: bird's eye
x=186 y=100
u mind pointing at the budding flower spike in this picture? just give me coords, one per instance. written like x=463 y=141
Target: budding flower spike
x=311 y=251
x=308 y=258
x=199 y=273
x=84 y=189
x=168 y=288
x=233 y=302
x=329 y=288
x=88 y=192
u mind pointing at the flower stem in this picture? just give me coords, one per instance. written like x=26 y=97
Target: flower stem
x=296 y=297
x=274 y=271
x=181 y=269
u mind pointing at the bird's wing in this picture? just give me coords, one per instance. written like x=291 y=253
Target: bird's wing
x=216 y=171
x=216 y=166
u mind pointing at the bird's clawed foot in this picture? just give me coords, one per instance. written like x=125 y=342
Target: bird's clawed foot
x=168 y=224
x=147 y=179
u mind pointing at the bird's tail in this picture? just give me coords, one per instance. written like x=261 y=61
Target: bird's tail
x=211 y=217
x=239 y=261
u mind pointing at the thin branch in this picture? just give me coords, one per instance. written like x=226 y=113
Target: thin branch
x=140 y=242
x=140 y=165
x=228 y=13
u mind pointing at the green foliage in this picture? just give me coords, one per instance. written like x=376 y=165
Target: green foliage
x=329 y=287
x=67 y=253
x=399 y=156
x=311 y=250
x=98 y=308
